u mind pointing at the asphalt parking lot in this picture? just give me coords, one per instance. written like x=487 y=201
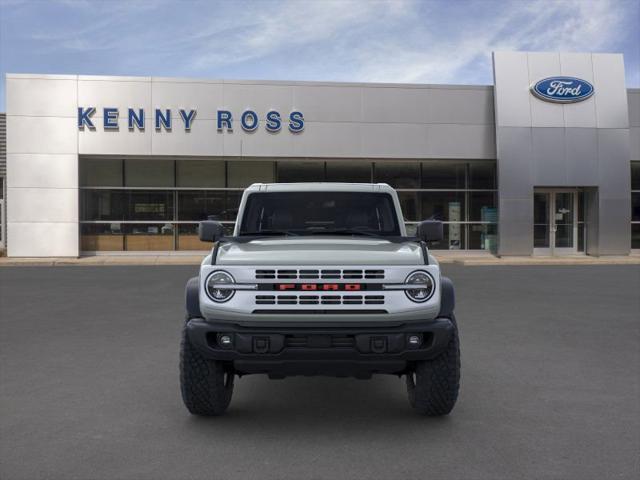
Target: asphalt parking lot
x=89 y=386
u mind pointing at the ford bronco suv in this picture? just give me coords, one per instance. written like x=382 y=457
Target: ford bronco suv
x=319 y=279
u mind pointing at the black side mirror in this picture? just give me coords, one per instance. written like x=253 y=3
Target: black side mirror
x=210 y=231
x=430 y=231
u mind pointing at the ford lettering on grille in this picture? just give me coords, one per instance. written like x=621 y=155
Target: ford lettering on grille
x=323 y=287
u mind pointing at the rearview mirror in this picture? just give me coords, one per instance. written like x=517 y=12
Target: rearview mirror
x=430 y=231
x=210 y=231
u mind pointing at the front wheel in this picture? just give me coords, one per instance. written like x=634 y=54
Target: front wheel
x=206 y=385
x=433 y=384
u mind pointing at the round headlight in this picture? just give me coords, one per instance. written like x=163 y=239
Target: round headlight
x=426 y=289
x=214 y=290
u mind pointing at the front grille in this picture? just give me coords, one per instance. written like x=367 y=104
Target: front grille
x=319 y=299
x=319 y=274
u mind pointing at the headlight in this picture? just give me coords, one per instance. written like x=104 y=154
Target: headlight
x=427 y=286
x=214 y=283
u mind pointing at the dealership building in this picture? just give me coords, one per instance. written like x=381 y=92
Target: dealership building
x=546 y=161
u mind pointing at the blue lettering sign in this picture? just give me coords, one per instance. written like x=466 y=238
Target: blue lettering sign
x=249 y=120
x=296 y=122
x=136 y=120
x=225 y=119
x=274 y=123
x=84 y=117
x=187 y=118
x=562 y=89
x=163 y=120
x=110 y=118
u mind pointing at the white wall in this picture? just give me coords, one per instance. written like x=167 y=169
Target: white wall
x=42 y=166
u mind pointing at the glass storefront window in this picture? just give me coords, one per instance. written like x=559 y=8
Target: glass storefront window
x=242 y=174
x=483 y=237
x=482 y=207
x=443 y=175
x=443 y=206
x=200 y=173
x=148 y=237
x=149 y=173
x=397 y=174
x=103 y=205
x=453 y=239
x=291 y=171
x=409 y=206
x=104 y=172
x=635 y=206
x=482 y=176
x=635 y=235
x=202 y=204
x=106 y=237
x=150 y=205
x=635 y=175
x=354 y=171
x=211 y=185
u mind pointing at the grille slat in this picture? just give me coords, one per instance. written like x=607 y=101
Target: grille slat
x=325 y=274
x=320 y=299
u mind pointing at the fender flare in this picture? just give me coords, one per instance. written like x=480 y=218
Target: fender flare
x=447 y=298
x=192 y=298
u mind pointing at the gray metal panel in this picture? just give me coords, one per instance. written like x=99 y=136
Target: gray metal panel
x=580 y=114
x=633 y=100
x=511 y=89
x=461 y=141
x=612 y=109
x=613 y=161
x=549 y=164
x=515 y=166
x=634 y=143
x=391 y=140
x=515 y=226
x=582 y=156
x=395 y=105
x=329 y=103
x=614 y=226
x=461 y=106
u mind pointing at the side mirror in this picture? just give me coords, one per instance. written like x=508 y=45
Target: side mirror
x=430 y=231
x=210 y=231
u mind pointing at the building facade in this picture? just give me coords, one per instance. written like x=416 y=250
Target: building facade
x=131 y=164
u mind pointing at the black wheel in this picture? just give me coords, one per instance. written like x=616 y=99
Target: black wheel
x=433 y=385
x=206 y=385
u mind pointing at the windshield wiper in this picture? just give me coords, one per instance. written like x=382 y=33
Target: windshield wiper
x=269 y=232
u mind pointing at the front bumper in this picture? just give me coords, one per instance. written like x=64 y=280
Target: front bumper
x=345 y=350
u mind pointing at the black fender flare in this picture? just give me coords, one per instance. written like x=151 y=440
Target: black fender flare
x=447 y=298
x=192 y=298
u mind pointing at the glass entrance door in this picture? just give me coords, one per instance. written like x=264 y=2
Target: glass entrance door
x=554 y=222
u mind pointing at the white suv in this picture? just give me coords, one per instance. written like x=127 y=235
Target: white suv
x=320 y=279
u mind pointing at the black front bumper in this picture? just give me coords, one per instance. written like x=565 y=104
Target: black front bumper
x=342 y=351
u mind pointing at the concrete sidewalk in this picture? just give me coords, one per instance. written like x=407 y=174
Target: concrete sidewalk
x=460 y=258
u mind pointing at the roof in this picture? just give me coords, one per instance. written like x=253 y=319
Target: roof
x=320 y=187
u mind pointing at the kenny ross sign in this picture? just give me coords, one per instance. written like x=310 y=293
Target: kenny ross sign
x=162 y=119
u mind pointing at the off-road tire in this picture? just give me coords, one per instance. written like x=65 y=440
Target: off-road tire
x=433 y=384
x=206 y=385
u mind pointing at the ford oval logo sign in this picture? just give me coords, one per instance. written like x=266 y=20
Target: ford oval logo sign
x=562 y=89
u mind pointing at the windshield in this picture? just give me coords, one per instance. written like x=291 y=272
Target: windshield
x=317 y=213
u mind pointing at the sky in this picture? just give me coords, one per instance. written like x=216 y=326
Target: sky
x=403 y=41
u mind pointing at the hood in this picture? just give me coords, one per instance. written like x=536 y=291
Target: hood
x=320 y=251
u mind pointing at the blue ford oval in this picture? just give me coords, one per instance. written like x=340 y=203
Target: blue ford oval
x=562 y=89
